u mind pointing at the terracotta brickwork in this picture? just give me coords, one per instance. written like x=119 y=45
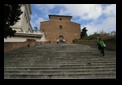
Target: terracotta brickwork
x=88 y=42
x=8 y=46
x=109 y=45
x=60 y=25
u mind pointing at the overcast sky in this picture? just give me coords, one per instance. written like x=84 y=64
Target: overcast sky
x=96 y=17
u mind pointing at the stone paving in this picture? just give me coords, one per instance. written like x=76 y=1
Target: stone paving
x=59 y=61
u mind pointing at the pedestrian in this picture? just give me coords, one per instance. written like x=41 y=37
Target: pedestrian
x=101 y=46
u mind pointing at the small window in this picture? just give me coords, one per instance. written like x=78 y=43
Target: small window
x=60 y=27
x=60 y=19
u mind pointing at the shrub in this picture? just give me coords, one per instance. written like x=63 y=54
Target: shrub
x=75 y=40
x=92 y=37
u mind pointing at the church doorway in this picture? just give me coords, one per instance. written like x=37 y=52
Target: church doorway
x=61 y=39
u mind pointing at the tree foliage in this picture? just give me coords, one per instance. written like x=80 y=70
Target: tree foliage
x=75 y=40
x=83 y=33
x=11 y=16
x=35 y=29
x=93 y=36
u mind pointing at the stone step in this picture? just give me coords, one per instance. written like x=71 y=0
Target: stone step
x=53 y=72
x=114 y=66
x=58 y=52
x=57 y=68
x=59 y=77
x=56 y=65
x=57 y=61
x=61 y=60
x=62 y=75
x=52 y=53
x=57 y=55
x=60 y=57
x=65 y=62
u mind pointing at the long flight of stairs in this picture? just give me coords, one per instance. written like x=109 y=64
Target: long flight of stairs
x=59 y=61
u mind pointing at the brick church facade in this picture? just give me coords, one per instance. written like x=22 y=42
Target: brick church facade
x=60 y=29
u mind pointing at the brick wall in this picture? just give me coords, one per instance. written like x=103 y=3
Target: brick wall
x=109 y=45
x=70 y=30
x=8 y=46
x=88 y=42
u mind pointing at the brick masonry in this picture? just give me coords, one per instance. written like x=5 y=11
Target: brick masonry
x=88 y=42
x=8 y=46
x=109 y=45
x=69 y=30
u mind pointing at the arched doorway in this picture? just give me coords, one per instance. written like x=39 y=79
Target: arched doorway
x=61 y=39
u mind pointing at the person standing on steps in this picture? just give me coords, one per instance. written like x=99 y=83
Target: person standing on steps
x=101 y=46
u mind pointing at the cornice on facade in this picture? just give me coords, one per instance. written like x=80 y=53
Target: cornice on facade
x=30 y=8
x=60 y=16
x=29 y=34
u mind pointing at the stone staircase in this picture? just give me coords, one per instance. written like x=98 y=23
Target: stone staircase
x=59 y=61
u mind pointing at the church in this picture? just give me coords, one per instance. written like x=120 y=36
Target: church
x=60 y=29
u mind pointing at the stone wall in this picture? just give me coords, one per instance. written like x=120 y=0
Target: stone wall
x=8 y=46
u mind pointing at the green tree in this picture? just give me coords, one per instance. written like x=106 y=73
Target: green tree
x=92 y=36
x=11 y=16
x=83 y=33
x=36 y=29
